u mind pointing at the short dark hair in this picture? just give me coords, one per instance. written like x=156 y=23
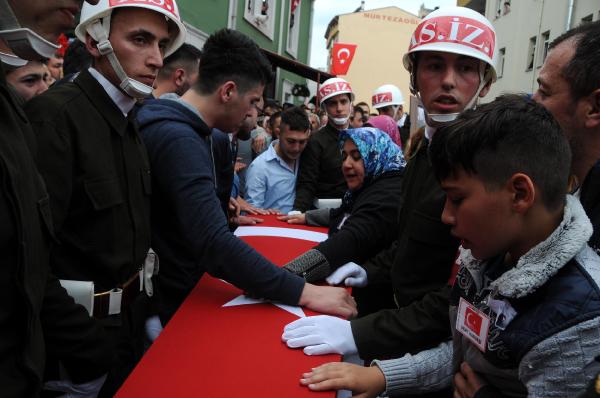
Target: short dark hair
x=295 y=118
x=77 y=58
x=580 y=72
x=274 y=117
x=186 y=56
x=231 y=55
x=359 y=110
x=509 y=135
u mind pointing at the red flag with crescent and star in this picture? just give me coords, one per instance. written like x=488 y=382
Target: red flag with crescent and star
x=341 y=58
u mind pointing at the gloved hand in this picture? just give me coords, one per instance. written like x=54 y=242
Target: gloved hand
x=351 y=273
x=89 y=389
x=321 y=334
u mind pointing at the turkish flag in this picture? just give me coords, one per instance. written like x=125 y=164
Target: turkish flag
x=473 y=321
x=294 y=4
x=214 y=347
x=341 y=58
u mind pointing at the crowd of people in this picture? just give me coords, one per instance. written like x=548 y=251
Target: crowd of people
x=470 y=245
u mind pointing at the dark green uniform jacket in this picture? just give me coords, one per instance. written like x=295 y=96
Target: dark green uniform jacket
x=37 y=317
x=320 y=174
x=98 y=176
x=419 y=264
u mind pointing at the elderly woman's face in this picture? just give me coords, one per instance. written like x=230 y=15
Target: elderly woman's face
x=353 y=166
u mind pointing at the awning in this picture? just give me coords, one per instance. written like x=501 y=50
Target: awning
x=296 y=67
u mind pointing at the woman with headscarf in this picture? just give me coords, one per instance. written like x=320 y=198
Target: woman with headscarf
x=366 y=221
x=386 y=124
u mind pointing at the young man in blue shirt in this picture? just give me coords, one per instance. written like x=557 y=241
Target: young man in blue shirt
x=271 y=177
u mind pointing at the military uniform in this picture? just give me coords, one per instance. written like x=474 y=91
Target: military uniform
x=320 y=174
x=98 y=177
x=37 y=317
x=419 y=265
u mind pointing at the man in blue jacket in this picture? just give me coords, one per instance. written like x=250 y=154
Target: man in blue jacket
x=189 y=229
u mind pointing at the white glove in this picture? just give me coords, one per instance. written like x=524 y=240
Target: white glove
x=321 y=334
x=84 y=390
x=351 y=273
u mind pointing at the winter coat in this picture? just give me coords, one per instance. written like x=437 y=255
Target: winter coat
x=320 y=174
x=418 y=265
x=98 y=176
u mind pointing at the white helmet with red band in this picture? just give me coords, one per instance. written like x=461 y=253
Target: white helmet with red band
x=387 y=95
x=456 y=30
x=332 y=87
x=95 y=20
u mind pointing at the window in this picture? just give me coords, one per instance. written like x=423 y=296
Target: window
x=587 y=19
x=501 y=55
x=545 y=43
x=531 y=53
x=261 y=15
x=498 y=9
x=293 y=28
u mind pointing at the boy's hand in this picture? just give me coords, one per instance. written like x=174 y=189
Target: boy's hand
x=328 y=300
x=364 y=382
x=466 y=382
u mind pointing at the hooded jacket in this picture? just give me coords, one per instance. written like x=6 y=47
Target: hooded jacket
x=189 y=230
x=547 y=347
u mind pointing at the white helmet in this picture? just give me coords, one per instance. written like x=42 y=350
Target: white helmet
x=387 y=95
x=332 y=87
x=456 y=30
x=24 y=43
x=95 y=20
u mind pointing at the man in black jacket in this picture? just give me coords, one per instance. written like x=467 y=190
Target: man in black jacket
x=320 y=175
x=37 y=317
x=447 y=77
x=96 y=167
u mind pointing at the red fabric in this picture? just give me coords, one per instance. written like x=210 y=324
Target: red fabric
x=63 y=41
x=212 y=351
x=341 y=58
x=294 y=4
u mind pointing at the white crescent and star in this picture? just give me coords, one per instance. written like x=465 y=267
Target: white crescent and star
x=293 y=233
x=343 y=51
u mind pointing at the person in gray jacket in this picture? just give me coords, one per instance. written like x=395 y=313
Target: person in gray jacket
x=525 y=306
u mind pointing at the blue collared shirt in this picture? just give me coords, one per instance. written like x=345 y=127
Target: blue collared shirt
x=271 y=182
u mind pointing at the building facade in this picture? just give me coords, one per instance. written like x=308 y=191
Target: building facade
x=280 y=26
x=382 y=37
x=524 y=30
